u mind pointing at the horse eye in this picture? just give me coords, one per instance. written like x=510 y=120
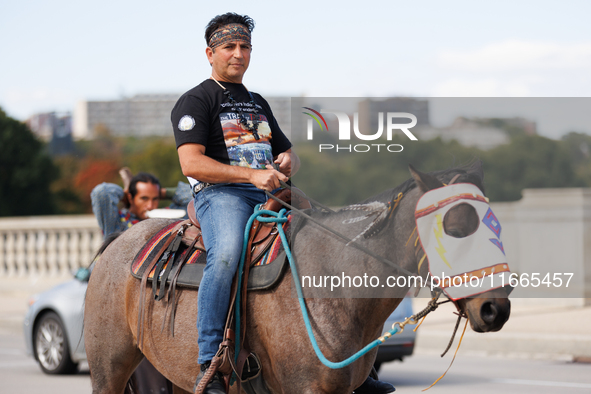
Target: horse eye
x=461 y=221
x=455 y=233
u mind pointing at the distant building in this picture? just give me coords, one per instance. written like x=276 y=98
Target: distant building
x=467 y=133
x=281 y=107
x=146 y=115
x=42 y=125
x=54 y=128
x=141 y=115
x=482 y=133
x=370 y=108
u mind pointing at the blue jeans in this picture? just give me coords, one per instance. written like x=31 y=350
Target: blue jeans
x=223 y=211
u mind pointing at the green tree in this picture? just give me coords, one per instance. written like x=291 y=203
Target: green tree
x=578 y=146
x=343 y=178
x=26 y=171
x=158 y=157
x=68 y=199
x=527 y=162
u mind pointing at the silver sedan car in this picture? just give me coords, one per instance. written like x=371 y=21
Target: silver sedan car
x=53 y=326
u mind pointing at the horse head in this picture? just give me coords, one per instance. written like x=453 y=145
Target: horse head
x=488 y=307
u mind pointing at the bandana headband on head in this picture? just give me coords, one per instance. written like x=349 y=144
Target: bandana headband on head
x=229 y=33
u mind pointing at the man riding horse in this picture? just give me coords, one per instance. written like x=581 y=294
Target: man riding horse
x=232 y=150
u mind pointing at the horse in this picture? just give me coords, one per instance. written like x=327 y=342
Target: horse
x=275 y=328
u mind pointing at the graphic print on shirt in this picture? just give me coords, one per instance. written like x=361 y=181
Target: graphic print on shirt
x=243 y=149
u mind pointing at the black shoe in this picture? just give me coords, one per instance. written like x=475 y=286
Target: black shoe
x=372 y=386
x=215 y=386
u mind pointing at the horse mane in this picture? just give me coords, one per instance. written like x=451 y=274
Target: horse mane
x=388 y=200
x=469 y=173
x=466 y=172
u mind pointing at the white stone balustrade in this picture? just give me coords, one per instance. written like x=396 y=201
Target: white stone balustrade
x=47 y=246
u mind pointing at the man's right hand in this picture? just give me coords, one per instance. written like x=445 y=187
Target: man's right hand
x=126 y=176
x=267 y=179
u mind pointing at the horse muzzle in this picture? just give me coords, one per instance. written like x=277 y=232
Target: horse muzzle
x=487 y=312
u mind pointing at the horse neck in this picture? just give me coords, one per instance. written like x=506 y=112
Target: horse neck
x=321 y=256
x=347 y=263
x=378 y=309
x=363 y=315
x=404 y=250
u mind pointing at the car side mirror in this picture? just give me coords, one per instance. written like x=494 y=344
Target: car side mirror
x=82 y=274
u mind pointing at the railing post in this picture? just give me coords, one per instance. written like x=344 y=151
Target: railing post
x=41 y=252
x=21 y=268
x=62 y=252
x=31 y=257
x=52 y=253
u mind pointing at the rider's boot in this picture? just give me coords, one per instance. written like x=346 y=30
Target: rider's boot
x=373 y=386
x=216 y=384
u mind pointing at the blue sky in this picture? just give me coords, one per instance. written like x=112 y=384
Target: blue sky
x=55 y=53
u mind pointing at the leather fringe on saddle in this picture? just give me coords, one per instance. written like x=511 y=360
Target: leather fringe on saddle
x=171 y=299
x=167 y=251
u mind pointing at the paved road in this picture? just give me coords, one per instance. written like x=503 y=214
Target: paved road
x=469 y=374
x=20 y=374
x=484 y=375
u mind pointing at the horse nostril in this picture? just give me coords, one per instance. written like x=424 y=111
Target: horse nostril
x=488 y=312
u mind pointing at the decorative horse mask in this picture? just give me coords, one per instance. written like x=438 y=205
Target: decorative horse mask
x=452 y=254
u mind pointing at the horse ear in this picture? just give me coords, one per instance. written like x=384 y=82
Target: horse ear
x=476 y=169
x=425 y=182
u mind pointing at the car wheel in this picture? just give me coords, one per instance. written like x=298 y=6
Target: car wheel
x=51 y=346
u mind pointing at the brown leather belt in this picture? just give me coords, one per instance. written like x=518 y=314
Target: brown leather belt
x=200 y=186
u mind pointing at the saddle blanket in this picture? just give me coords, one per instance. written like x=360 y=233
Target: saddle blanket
x=263 y=274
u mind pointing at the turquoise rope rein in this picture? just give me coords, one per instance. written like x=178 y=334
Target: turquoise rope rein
x=279 y=217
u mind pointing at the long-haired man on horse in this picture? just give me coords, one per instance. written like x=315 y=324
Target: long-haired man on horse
x=140 y=194
x=232 y=150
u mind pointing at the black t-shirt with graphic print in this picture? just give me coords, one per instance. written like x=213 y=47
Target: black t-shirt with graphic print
x=204 y=115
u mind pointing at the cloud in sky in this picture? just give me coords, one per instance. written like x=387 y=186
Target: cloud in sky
x=61 y=52
x=516 y=68
x=517 y=55
x=44 y=98
x=487 y=87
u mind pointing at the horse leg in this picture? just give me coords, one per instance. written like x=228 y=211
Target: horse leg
x=112 y=365
x=110 y=345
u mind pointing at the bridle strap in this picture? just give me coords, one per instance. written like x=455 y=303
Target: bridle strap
x=455 y=178
x=450 y=200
